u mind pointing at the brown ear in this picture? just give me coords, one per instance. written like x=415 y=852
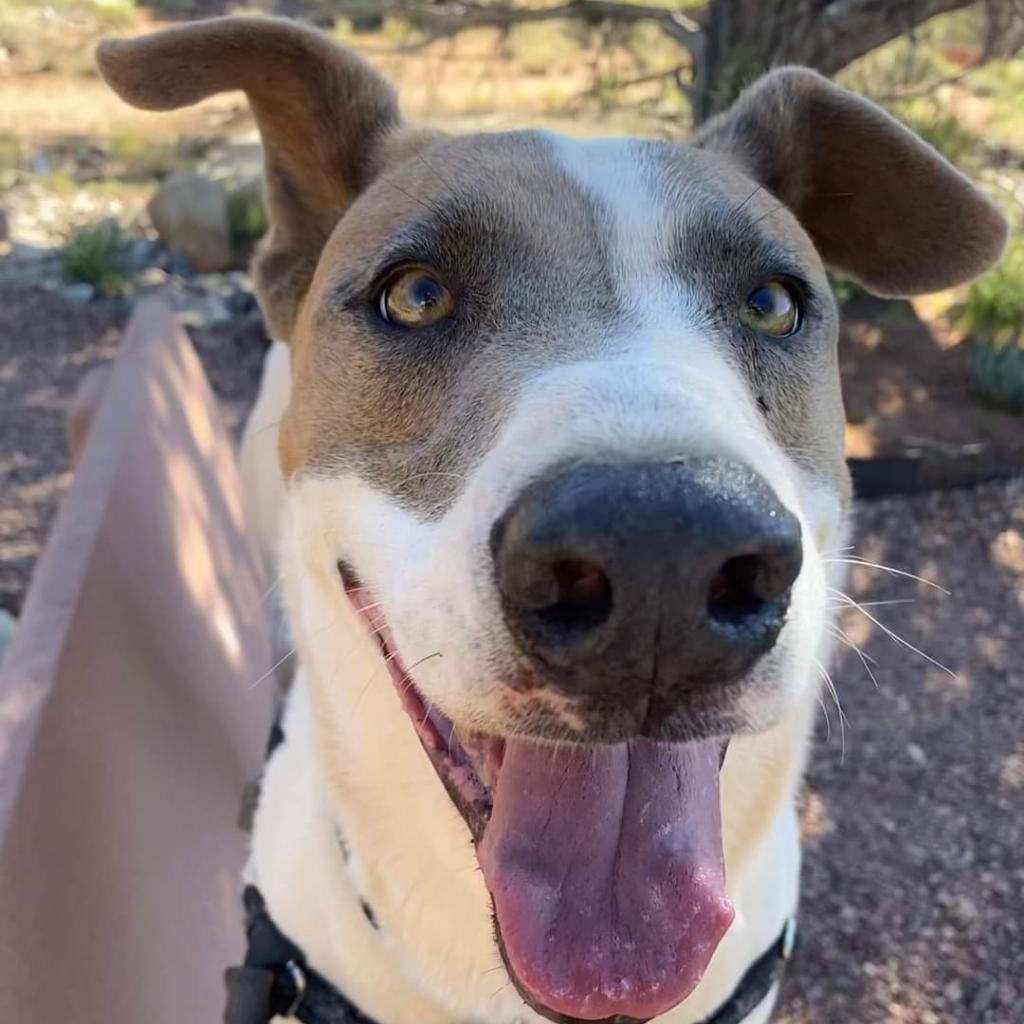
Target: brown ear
x=878 y=202
x=321 y=111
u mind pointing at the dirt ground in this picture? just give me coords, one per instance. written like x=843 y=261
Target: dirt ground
x=907 y=386
x=913 y=906
x=47 y=344
x=914 y=877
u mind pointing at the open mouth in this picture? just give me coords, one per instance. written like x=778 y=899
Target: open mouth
x=604 y=862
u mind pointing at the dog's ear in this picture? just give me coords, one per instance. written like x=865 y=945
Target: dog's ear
x=321 y=110
x=878 y=203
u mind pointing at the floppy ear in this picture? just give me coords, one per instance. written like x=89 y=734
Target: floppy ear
x=878 y=202
x=321 y=110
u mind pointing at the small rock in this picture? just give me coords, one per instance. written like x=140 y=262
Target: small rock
x=242 y=303
x=917 y=755
x=151 y=277
x=177 y=266
x=24 y=252
x=80 y=292
x=201 y=311
x=190 y=214
x=143 y=253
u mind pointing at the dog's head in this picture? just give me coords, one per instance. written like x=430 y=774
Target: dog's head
x=566 y=434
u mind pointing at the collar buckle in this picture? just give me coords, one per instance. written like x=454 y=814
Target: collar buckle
x=789 y=937
x=298 y=977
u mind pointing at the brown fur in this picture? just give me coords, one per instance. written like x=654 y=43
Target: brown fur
x=878 y=202
x=345 y=178
x=321 y=110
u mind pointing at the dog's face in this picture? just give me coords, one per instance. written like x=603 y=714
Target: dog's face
x=566 y=436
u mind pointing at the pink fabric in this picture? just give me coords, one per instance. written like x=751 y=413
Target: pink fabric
x=130 y=713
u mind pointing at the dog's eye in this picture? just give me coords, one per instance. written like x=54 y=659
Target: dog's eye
x=772 y=309
x=414 y=297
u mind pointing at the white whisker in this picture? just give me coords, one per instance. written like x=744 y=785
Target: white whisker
x=866 y=563
x=831 y=687
x=273 y=668
x=865 y=659
x=895 y=637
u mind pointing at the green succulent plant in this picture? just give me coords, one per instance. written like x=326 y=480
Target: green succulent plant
x=993 y=317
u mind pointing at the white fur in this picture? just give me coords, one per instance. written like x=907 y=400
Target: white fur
x=258 y=461
x=352 y=761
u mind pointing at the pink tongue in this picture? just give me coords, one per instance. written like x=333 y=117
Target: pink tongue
x=605 y=866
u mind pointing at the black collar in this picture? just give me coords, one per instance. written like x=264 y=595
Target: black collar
x=275 y=979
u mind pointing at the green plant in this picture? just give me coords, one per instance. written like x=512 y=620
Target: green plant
x=993 y=317
x=247 y=217
x=98 y=255
x=844 y=288
x=942 y=129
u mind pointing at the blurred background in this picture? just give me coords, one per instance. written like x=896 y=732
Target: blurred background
x=915 y=875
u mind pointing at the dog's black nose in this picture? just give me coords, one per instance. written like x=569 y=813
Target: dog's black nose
x=672 y=574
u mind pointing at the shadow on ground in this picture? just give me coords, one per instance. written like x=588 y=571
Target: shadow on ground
x=908 y=389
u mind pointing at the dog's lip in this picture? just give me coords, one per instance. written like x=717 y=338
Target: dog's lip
x=686 y=860
x=466 y=762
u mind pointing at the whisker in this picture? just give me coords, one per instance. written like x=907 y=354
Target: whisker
x=407 y=194
x=828 y=720
x=273 y=586
x=866 y=563
x=865 y=659
x=768 y=213
x=430 y=167
x=895 y=637
x=273 y=668
x=760 y=188
x=831 y=687
x=880 y=604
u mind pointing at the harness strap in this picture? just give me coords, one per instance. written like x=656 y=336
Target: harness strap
x=275 y=979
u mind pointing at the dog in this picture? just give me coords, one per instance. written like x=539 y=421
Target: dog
x=559 y=485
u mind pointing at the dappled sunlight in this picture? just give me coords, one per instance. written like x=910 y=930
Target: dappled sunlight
x=1012 y=770
x=907 y=387
x=928 y=787
x=1008 y=551
x=815 y=822
x=194 y=478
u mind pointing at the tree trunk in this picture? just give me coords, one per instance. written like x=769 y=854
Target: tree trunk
x=743 y=38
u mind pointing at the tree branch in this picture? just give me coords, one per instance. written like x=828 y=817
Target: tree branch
x=674 y=72
x=447 y=19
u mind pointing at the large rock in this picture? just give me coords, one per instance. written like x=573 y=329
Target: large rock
x=190 y=214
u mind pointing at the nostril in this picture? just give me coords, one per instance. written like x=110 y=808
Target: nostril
x=584 y=595
x=735 y=591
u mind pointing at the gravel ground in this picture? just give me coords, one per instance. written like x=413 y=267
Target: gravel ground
x=47 y=344
x=914 y=871
x=914 y=857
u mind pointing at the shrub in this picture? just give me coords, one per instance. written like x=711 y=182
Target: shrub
x=247 y=219
x=942 y=129
x=98 y=255
x=993 y=316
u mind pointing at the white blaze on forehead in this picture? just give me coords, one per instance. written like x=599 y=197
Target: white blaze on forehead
x=617 y=174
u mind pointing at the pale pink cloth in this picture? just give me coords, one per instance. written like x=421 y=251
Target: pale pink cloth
x=130 y=712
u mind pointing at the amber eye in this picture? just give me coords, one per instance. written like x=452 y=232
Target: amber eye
x=414 y=297
x=771 y=309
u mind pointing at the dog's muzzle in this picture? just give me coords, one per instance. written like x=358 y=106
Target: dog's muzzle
x=645 y=582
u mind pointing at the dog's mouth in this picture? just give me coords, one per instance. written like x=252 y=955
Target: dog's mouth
x=604 y=862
